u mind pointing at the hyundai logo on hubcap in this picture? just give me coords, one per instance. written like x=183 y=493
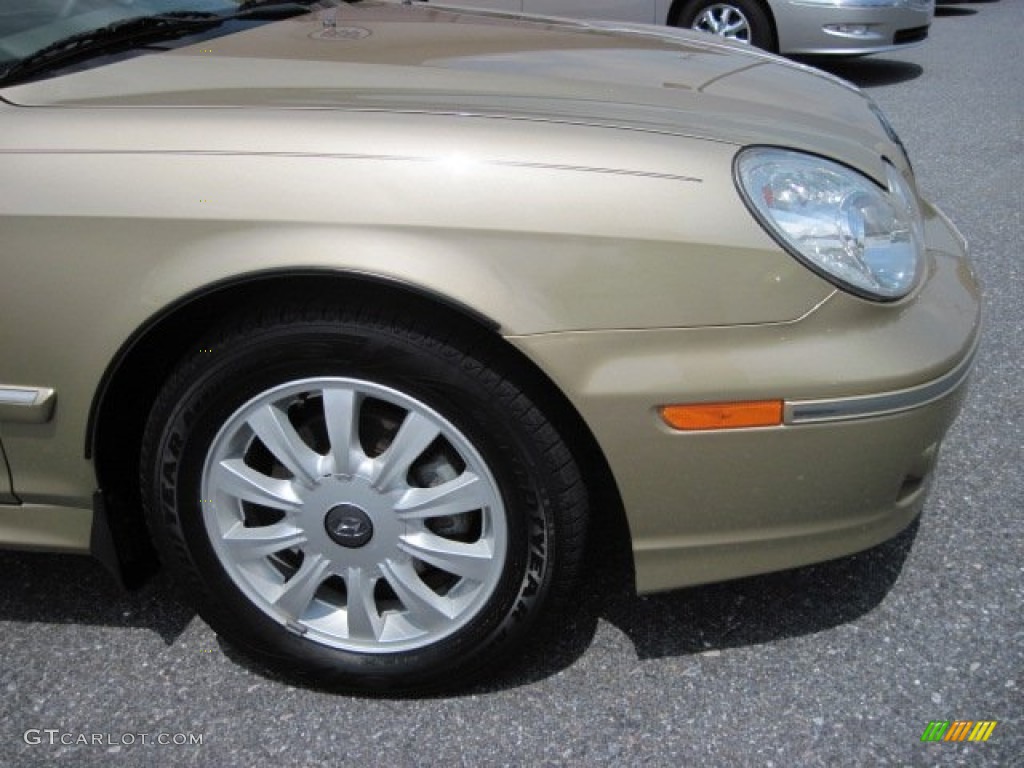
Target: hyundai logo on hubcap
x=348 y=526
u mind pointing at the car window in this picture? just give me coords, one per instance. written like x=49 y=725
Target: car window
x=62 y=35
x=23 y=32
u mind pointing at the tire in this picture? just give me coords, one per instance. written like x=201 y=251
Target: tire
x=288 y=470
x=742 y=20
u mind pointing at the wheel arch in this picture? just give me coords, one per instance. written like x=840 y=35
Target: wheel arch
x=676 y=11
x=134 y=377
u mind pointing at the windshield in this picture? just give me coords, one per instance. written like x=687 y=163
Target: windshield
x=26 y=29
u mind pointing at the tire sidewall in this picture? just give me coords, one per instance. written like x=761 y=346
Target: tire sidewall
x=461 y=389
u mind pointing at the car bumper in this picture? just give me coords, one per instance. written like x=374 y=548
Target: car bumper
x=869 y=390
x=849 y=29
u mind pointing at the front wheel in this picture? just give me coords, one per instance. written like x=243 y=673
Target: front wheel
x=359 y=502
x=742 y=20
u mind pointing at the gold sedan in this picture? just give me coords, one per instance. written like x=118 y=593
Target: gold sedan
x=358 y=314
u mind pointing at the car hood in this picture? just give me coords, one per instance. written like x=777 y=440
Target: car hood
x=389 y=57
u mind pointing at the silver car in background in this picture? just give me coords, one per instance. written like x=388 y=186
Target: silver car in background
x=791 y=27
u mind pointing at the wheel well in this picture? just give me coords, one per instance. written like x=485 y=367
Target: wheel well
x=676 y=11
x=134 y=379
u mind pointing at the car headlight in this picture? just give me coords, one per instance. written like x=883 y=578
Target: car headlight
x=865 y=239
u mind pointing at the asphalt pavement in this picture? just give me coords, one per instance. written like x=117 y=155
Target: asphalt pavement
x=840 y=664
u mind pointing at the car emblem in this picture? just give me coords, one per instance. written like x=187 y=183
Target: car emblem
x=348 y=526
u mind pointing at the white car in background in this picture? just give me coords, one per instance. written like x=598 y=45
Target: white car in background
x=791 y=27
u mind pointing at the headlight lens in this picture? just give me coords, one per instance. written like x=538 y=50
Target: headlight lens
x=865 y=239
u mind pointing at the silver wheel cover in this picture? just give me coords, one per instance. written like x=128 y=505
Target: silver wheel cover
x=288 y=490
x=723 y=20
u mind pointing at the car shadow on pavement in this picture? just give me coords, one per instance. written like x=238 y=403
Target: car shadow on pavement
x=762 y=609
x=68 y=590
x=956 y=7
x=71 y=589
x=686 y=622
x=869 y=72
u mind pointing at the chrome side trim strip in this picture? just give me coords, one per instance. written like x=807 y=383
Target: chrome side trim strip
x=31 y=405
x=353 y=156
x=868 y=406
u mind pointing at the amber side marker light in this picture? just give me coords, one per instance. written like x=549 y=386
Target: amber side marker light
x=704 y=416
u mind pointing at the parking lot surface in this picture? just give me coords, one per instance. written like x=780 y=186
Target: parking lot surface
x=840 y=664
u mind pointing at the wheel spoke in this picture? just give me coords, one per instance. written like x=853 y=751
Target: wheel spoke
x=341 y=413
x=471 y=561
x=733 y=30
x=254 y=543
x=364 y=622
x=416 y=433
x=415 y=581
x=723 y=21
x=297 y=593
x=424 y=607
x=463 y=494
x=235 y=478
x=271 y=425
